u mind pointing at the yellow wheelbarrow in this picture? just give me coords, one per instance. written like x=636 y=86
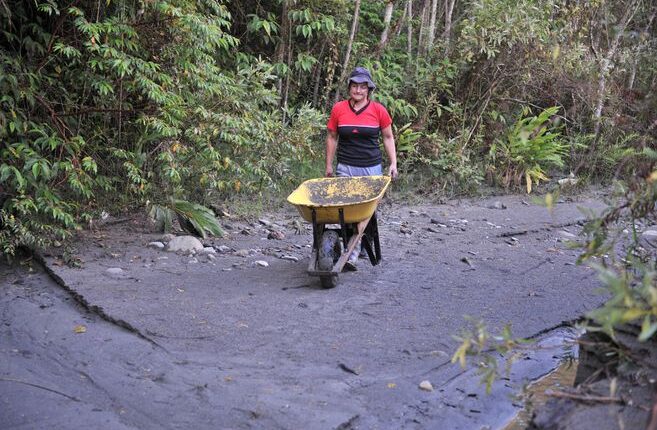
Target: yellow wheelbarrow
x=349 y=202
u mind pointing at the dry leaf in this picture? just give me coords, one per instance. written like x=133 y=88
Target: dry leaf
x=80 y=329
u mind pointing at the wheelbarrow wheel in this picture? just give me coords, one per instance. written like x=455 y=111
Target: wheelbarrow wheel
x=328 y=254
x=329 y=281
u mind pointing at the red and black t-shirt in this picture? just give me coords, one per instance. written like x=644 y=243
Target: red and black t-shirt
x=358 y=132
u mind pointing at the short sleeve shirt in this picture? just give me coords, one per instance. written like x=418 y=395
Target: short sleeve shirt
x=358 y=132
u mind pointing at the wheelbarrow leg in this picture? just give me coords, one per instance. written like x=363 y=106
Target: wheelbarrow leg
x=371 y=237
x=353 y=241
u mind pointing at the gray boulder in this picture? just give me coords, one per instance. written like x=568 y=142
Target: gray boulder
x=184 y=244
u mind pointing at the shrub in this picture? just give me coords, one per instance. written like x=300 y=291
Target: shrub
x=530 y=146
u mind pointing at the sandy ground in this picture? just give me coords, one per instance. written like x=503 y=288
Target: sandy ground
x=178 y=342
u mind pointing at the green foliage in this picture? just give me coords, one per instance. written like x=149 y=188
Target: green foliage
x=194 y=218
x=530 y=146
x=496 y=25
x=201 y=218
x=123 y=104
x=269 y=26
x=476 y=341
x=630 y=281
x=618 y=156
x=633 y=299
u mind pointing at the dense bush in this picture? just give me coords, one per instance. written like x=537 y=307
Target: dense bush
x=118 y=105
x=105 y=106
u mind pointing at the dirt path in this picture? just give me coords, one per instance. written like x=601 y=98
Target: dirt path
x=175 y=341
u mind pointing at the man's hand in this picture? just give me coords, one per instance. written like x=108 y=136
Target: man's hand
x=392 y=171
x=331 y=147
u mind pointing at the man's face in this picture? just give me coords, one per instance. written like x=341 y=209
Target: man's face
x=358 y=92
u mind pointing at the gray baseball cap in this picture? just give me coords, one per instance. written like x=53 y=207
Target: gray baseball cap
x=360 y=75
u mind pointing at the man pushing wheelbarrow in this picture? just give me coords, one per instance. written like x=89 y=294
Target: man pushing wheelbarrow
x=354 y=128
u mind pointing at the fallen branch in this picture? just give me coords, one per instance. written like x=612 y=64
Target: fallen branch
x=583 y=397
x=18 y=381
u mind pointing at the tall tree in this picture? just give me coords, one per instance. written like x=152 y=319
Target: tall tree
x=447 y=32
x=347 y=55
x=409 y=32
x=402 y=20
x=423 y=28
x=387 y=17
x=282 y=47
x=432 y=25
x=606 y=65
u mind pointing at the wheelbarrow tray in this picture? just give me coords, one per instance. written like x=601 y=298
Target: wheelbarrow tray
x=357 y=196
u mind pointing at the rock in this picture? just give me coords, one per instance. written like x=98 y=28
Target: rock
x=567 y=235
x=433 y=230
x=438 y=223
x=264 y=222
x=290 y=258
x=649 y=237
x=223 y=249
x=211 y=257
x=167 y=238
x=156 y=245
x=497 y=205
x=467 y=261
x=116 y=273
x=207 y=250
x=426 y=386
x=276 y=235
x=568 y=181
x=219 y=211
x=185 y=244
x=262 y=263
x=192 y=261
x=242 y=253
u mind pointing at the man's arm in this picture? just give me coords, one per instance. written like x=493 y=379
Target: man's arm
x=331 y=146
x=389 y=145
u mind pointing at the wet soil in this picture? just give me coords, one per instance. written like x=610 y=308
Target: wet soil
x=173 y=341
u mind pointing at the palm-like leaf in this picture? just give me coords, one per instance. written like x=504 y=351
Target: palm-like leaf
x=162 y=217
x=200 y=218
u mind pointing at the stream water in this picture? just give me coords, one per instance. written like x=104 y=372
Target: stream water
x=534 y=395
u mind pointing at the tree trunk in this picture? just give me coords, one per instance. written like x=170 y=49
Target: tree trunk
x=630 y=80
x=402 y=20
x=318 y=75
x=432 y=25
x=423 y=29
x=409 y=37
x=282 y=47
x=447 y=33
x=635 y=60
x=352 y=35
x=286 y=90
x=606 y=66
x=386 y=26
x=333 y=58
